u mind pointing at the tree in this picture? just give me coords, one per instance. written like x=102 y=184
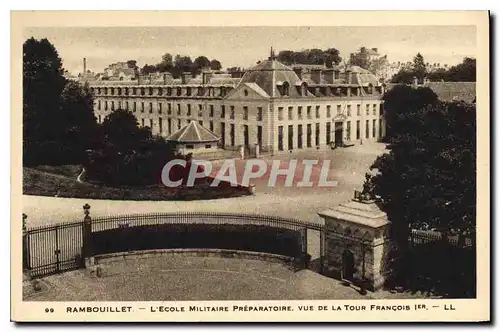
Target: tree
x=215 y=65
x=58 y=120
x=315 y=56
x=132 y=64
x=200 y=63
x=81 y=129
x=43 y=119
x=403 y=76
x=427 y=180
x=332 y=57
x=463 y=72
x=286 y=57
x=234 y=70
x=379 y=65
x=166 y=63
x=129 y=155
x=148 y=69
x=419 y=67
x=300 y=58
x=182 y=64
x=360 y=58
x=400 y=101
x=438 y=75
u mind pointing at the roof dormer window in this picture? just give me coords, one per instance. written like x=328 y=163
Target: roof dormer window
x=286 y=89
x=303 y=89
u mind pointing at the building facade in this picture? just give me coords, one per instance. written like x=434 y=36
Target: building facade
x=271 y=105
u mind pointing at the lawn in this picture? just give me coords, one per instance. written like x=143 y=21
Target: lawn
x=60 y=181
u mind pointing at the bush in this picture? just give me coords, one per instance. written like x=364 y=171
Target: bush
x=128 y=155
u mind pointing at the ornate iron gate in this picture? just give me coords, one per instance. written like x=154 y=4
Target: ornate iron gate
x=56 y=248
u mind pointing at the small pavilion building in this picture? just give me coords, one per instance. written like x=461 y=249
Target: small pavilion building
x=194 y=138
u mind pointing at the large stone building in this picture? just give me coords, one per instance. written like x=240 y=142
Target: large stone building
x=271 y=105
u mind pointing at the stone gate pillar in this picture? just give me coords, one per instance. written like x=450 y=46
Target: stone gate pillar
x=357 y=242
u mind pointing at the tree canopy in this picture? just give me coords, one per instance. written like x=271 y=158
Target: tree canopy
x=360 y=58
x=463 y=72
x=419 y=67
x=215 y=65
x=400 y=101
x=179 y=64
x=200 y=63
x=328 y=57
x=128 y=154
x=58 y=120
x=428 y=178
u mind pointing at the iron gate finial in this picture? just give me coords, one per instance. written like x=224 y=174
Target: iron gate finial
x=86 y=209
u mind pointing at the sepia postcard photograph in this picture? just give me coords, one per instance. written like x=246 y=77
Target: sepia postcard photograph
x=250 y=166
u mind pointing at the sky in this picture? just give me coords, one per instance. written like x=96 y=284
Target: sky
x=244 y=46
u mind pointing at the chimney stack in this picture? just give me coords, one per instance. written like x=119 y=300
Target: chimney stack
x=298 y=72
x=84 y=66
x=185 y=76
x=329 y=75
x=348 y=74
x=316 y=75
x=206 y=77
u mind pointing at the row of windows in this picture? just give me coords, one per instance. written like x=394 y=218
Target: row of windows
x=318 y=91
x=169 y=91
x=189 y=109
x=222 y=91
x=178 y=123
x=340 y=110
x=290 y=135
x=328 y=134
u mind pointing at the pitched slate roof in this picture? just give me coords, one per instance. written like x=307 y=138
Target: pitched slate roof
x=450 y=91
x=193 y=133
x=363 y=76
x=268 y=73
x=257 y=89
x=454 y=91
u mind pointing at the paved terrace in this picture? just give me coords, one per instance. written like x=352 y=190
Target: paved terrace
x=196 y=279
x=348 y=167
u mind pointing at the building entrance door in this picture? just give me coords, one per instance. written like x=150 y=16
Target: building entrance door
x=338 y=134
x=245 y=136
